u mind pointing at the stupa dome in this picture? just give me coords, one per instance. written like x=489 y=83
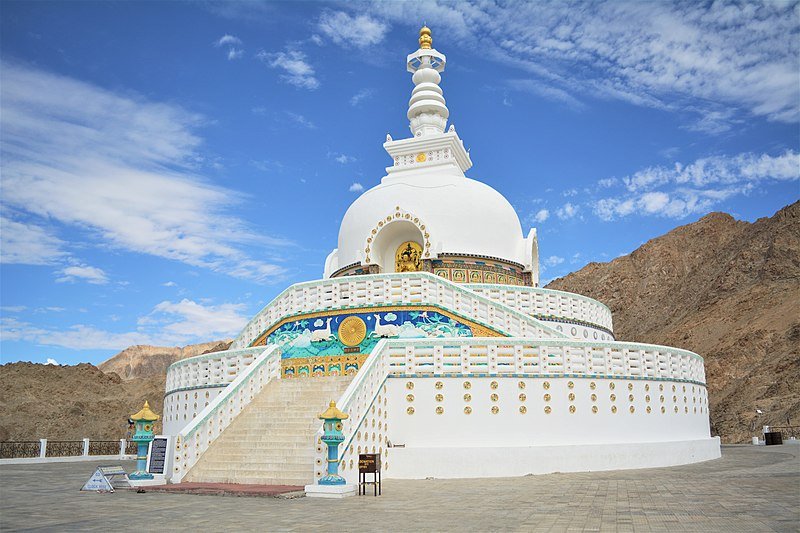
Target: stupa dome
x=461 y=216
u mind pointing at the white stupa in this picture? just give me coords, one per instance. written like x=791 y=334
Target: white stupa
x=430 y=331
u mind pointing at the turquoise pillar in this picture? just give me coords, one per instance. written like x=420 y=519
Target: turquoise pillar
x=332 y=436
x=145 y=421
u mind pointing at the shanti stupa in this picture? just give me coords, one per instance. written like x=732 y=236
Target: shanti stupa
x=429 y=329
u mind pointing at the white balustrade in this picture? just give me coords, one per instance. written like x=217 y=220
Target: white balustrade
x=515 y=357
x=419 y=288
x=548 y=303
x=200 y=433
x=213 y=369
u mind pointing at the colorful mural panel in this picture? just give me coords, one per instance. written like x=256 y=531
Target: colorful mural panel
x=350 y=333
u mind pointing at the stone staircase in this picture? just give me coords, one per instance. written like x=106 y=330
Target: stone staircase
x=272 y=441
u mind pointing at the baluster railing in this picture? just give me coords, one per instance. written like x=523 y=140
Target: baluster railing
x=196 y=437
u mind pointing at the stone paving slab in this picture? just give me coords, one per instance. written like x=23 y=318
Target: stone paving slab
x=751 y=488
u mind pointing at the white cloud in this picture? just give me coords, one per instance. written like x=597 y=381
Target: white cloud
x=553 y=260
x=13 y=308
x=361 y=95
x=170 y=284
x=168 y=324
x=233 y=44
x=342 y=158
x=300 y=120
x=189 y=319
x=695 y=188
x=541 y=215
x=607 y=182
x=119 y=168
x=570 y=192
x=28 y=244
x=714 y=57
x=544 y=90
x=567 y=211
x=86 y=273
x=51 y=361
x=296 y=70
x=356 y=187
x=745 y=167
x=358 y=31
x=228 y=40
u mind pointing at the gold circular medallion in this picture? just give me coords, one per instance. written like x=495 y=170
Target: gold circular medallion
x=410 y=410
x=493 y=384
x=352 y=331
x=467 y=410
x=495 y=409
x=439 y=397
x=468 y=397
x=523 y=409
x=439 y=410
x=421 y=157
x=522 y=397
x=494 y=397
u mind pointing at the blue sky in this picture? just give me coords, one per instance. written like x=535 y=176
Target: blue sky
x=168 y=168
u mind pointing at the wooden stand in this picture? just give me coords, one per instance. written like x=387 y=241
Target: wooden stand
x=369 y=463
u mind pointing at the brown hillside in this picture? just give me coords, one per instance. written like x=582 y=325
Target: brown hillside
x=727 y=290
x=73 y=402
x=142 y=361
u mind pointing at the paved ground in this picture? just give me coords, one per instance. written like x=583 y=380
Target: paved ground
x=750 y=489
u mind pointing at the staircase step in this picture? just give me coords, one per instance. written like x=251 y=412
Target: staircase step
x=273 y=440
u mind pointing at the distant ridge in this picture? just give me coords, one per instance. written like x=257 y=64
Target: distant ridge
x=726 y=289
x=143 y=361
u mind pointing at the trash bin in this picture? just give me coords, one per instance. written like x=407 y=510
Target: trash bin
x=773 y=438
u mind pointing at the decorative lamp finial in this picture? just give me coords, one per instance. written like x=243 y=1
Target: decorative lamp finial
x=425 y=39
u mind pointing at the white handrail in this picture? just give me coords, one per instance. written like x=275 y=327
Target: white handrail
x=198 y=435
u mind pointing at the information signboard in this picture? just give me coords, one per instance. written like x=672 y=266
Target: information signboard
x=104 y=478
x=158 y=455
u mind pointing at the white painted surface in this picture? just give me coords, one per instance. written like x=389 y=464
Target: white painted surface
x=510 y=428
x=330 y=491
x=507 y=461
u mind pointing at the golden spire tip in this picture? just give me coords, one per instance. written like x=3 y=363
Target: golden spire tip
x=425 y=39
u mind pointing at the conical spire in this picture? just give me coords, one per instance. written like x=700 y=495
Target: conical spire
x=427 y=112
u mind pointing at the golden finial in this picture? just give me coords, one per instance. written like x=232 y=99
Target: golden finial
x=425 y=39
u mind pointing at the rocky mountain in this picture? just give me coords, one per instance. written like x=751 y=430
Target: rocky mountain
x=70 y=402
x=142 y=361
x=73 y=402
x=728 y=290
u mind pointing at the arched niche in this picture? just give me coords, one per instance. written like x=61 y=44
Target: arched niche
x=388 y=239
